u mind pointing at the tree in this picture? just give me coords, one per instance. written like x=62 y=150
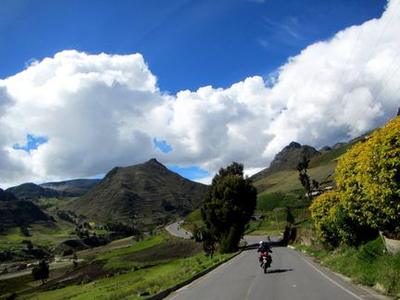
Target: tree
x=228 y=207
x=290 y=219
x=302 y=167
x=75 y=260
x=41 y=271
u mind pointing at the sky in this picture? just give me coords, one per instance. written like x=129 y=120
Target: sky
x=89 y=85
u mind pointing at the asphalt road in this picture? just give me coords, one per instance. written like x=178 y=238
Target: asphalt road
x=292 y=276
x=176 y=230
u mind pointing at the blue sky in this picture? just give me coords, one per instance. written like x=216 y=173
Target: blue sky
x=186 y=44
x=212 y=42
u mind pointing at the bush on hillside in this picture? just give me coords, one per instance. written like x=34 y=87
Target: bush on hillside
x=334 y=223
x=368 y=179
x=367 y=198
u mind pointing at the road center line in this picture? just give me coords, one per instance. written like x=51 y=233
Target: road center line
x=251 y=287
x=330 y=279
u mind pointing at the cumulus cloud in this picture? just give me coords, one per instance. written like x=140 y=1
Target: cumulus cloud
x=99 y=111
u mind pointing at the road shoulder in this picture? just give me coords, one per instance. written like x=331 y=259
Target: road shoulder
x=343 y=282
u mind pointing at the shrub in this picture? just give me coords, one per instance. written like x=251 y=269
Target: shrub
x=368 y=179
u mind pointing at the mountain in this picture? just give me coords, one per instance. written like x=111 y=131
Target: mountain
x=144 y=194
x=287 y=159
x=31 y=191
x=74 y=188
x=15 y=212
x=7 y=196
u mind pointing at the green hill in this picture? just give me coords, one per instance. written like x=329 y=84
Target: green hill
x=31 y=191
x=15 y=212
x=74 y=187
x=146 y=195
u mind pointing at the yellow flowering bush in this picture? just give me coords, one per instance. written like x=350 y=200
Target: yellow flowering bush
x=367 y=197
x=368 y=179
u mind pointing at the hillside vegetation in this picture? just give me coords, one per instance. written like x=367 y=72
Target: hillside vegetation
x=122 y=270
x=368 y=191
x=145 y=195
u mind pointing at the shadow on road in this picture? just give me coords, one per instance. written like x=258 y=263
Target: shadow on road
x=279 y=271
x=272 y=244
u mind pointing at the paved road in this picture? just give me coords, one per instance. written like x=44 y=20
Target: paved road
x=176 y=230
x=292 y=276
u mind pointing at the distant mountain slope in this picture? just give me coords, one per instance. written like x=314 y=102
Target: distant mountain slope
x=7 y=196
x=145 y=194
x=321 y=168
x=16 y=212
x=31 y=191
x=75 y=187
x=287 y=159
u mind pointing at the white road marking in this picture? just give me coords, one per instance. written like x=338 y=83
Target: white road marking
x=205 y=277
x=330 y=279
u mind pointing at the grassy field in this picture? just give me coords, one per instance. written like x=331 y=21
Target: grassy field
x=368 y=265
x=123 y=270
x=136 y=284
x=287 y=181
x=193 y=220
x=41 y=234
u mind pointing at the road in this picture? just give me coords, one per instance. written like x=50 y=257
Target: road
x=292 y=276
x=176 y=230
x=52 y=266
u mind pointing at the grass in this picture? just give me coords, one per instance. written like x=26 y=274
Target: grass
x=147 y=243
x=133 y=284
x=144 y=268
x=41 y=234
x=270 y=201
x=287 y=181
x=368 y=264
x=330 y=156
x=153 y=251
x=193 y=220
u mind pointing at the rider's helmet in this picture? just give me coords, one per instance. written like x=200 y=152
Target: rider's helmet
x=261 y=242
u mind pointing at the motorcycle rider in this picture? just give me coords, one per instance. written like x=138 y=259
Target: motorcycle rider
x=264 y=249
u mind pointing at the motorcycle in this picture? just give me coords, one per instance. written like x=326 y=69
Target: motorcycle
x=265 y=261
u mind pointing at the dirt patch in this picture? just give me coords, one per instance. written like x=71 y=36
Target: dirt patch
x=171 y=249
x=82 y=274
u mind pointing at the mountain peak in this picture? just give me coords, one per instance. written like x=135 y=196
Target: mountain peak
x=287 y=159
x=293 y=145
x=153 y=161
x=147 y=193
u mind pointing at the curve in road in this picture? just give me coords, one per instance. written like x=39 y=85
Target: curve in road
x=176 y=229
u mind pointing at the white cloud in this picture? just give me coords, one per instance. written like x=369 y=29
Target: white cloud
x=99 y=111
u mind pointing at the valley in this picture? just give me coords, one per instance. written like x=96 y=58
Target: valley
x=112 y=241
